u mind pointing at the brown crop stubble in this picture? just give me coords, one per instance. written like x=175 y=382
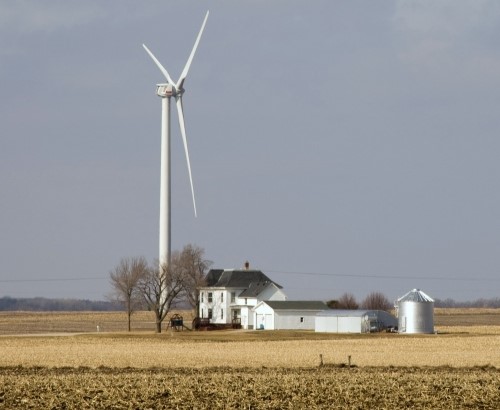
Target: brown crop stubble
x=264 y=388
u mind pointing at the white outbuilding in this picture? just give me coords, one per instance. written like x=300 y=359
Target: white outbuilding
x=287 y=314
x=354 y=321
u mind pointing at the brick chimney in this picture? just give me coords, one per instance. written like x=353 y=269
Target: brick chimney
x=247 y=265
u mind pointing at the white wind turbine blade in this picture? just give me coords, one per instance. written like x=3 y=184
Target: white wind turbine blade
x=162 y=69
x=178 y=100
x=184 y=73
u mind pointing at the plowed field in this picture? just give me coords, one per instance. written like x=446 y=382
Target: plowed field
x=250 y=388
x=458 y=368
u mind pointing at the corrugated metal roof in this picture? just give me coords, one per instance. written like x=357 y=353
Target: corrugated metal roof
x=347 y=312
x=296 y=304
x=416 y=295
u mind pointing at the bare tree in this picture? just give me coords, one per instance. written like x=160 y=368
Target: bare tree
x=162 y=287
x=194 y=267
x=376 y=301
x=125 y=280
x=333 y=304
x=347 y=301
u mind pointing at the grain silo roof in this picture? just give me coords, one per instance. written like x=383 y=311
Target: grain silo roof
x=415 y=295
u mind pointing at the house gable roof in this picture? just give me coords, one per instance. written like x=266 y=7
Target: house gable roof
x=296 y=305
x=231 y=278
x=256 y=288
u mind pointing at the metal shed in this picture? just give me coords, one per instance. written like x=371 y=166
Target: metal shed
x=287 y=314
x=354 y=321
x=415 y=311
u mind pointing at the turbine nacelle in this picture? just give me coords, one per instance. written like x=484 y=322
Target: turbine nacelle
x=165 y=90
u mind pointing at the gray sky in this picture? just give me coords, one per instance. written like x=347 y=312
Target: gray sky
x=339 y=146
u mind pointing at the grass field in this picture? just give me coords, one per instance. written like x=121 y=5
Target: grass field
x=457 y=368
x=76 y=322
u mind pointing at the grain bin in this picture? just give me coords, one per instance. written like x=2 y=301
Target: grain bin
x=415 y=312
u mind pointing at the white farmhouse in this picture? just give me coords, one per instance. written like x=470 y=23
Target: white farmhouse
x=230 y=295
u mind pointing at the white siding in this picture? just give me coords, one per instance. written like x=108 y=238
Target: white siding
x=246 y=301
x=326 y=324
x=269 y=319
x=264 y=317
x=247 y=321
x=219 y=305
x=294 y=320
x=272 y=293
x=350 y=324
x=264 y=321
x=339 y=324
x=353 y=321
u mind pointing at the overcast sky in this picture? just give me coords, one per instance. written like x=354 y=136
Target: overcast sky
x=339 y=146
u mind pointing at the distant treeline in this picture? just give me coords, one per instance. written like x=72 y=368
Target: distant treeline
x=478 y=303
x=43 y=304
x=8 y=303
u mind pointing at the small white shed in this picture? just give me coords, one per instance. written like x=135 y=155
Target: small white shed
x=354 y=321
x=287 y=314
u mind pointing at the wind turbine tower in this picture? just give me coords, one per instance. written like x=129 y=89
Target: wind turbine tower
x=166 y=91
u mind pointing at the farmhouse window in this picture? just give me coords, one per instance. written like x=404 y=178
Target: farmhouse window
x=222 y=313
x=209 y=297
x=210 y=313
x=246 y=301
x=222 y=297
x=301 y=320
x=233 y=297
x=202 y=294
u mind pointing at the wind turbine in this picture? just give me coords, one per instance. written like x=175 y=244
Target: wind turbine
x=166 y=91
